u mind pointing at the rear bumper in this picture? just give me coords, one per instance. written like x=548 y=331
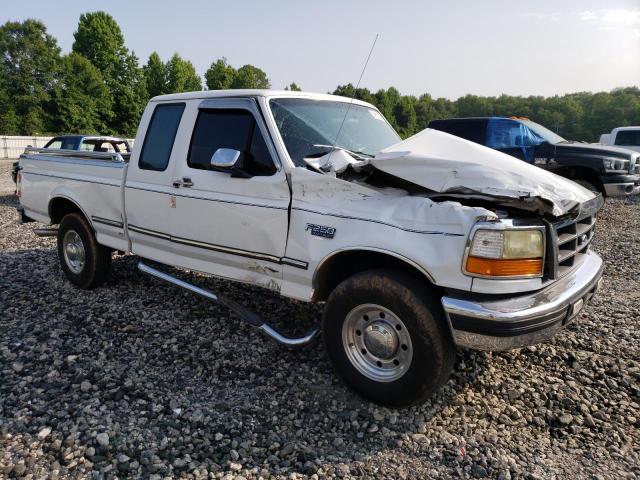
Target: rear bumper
x=515 y=322
x=621 y=185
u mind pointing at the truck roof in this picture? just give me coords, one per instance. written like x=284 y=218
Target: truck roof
x=93 y=137
x=481 y=118
x=254 y=93
x=630 y=127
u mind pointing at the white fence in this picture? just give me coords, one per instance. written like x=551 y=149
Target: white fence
x=13 y=146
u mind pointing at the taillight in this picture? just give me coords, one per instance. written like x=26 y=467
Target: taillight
x=19 y=184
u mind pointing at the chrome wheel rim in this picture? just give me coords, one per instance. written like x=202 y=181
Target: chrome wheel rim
x=377 y=342
x=73 y=248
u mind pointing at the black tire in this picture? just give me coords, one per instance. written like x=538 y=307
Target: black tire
x=588 y=185
x=433 y=351
x=97 y=258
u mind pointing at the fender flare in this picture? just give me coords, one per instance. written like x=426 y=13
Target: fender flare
x=64 y=193
x=396 y=255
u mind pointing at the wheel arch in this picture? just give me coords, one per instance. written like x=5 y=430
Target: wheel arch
x=341 y=264
x=61 y=205
x=582 y=173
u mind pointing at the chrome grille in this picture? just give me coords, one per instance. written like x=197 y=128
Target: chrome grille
x=572 y=239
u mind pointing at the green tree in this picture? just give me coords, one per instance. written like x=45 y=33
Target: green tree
x=155 y=75
x=100 y=40
x=81 y=99
x=424 y=111
x=249 y=76
x=182 y=76
x=293 y=87
x=404 y=116
x=9 y=121
x=220 y=75
x=129 y=97
x=29 y=66
x=473 y=105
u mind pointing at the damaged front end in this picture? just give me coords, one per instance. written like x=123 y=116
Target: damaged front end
x=441 y=167
x=505 y=242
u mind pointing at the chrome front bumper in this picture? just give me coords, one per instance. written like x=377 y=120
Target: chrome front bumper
x=523 y=320
x=621 y=189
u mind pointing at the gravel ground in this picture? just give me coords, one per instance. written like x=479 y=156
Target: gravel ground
x=139 y=379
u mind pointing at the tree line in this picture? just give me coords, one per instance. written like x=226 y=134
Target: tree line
x=101 y=87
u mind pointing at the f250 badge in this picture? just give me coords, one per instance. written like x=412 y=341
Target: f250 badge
x=320 y=230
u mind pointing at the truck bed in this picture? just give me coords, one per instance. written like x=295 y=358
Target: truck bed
x=91 y=180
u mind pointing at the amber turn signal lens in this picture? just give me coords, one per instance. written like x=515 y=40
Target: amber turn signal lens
x=523 y=267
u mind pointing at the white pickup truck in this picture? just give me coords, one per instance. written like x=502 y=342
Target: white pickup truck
x=417 y=246
x=625 y=137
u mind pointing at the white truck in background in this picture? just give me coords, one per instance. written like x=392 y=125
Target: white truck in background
x=625 y=137
x=416 y=246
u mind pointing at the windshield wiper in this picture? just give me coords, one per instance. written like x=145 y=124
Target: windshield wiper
x=355 y=154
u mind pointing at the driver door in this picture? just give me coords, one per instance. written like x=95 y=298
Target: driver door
x=231 y=223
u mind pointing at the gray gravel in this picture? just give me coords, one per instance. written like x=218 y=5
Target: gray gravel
x=139 y=379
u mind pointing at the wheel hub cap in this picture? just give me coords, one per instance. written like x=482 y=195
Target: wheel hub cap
x=381 y=340
x=74 y=254
x=377 y=342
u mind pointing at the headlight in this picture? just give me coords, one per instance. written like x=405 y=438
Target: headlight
x=616 y=164
x=506 y=253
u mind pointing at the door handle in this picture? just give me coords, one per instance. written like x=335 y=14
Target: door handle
x=184 y=182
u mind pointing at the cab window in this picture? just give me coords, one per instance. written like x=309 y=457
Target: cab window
x=55 y=143
x=471 y=129
x=628 y=138
x=504 y=133
x=230 y=128
x=158 y=143
x=69 y=144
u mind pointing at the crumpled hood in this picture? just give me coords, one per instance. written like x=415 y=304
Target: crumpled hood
x=451 y=165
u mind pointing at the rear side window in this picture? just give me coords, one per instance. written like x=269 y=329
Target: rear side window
x=472 y=130
x=227 y=128
x=69 y=143
x=161 y=133
x=629 y=138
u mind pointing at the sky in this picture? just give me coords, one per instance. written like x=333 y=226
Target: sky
x=444 y=48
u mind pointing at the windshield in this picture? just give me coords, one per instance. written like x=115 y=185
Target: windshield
x=309 y=128
x=544 y=132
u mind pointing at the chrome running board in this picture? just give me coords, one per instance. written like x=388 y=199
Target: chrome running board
x=248 y=316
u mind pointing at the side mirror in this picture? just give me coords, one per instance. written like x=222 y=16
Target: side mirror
x=225 y=158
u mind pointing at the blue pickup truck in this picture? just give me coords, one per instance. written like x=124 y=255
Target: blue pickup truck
x=90 y=143
x=605 y=169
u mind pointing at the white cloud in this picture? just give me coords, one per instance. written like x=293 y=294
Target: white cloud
x=613 y=17
x=621 y=16
x=588 y=15
x=549 y=17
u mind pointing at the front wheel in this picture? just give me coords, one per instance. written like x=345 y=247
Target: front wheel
x=84 y=261
x=588 y=185
x=386 y=336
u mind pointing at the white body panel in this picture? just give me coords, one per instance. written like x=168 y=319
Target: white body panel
x=257 y=230
x=233 y=227
x=95 y=187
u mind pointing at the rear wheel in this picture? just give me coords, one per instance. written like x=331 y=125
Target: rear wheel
x=84 y=262
x=386 y=336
